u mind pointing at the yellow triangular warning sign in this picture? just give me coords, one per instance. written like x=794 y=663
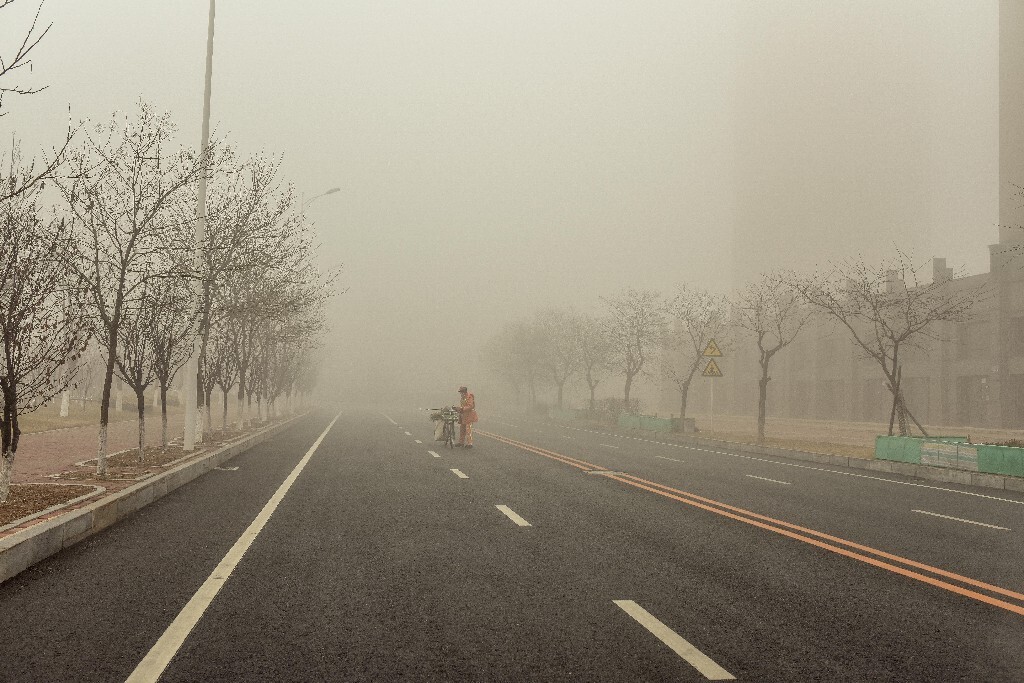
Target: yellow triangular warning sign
x=711 y=369
x=712 y=350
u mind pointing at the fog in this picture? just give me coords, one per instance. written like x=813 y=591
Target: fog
x=497 y=158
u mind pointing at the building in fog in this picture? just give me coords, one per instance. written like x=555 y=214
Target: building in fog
x=974 y=376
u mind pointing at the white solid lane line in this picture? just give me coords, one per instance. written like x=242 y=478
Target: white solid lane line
x=774 y=481
x=513 y=516
x=154 y=663
x=460 y=474
x=434 y=454
x=664 y=458
x=697 y=659
x=390 y=420
x=965 y=521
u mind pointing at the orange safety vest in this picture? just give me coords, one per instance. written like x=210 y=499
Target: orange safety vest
x=468 y=413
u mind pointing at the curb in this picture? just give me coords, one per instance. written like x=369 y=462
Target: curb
x=927 y=472
x=21 y=550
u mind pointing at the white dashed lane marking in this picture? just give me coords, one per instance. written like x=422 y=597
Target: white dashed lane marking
x=965 y=521
x=774 y=481
x=434 y=454
x=513 y=516
x=694 y=657
x=460 y=474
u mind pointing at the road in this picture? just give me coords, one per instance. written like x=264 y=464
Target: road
x=545 y=553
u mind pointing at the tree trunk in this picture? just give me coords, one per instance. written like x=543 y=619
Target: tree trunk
x=163 y=415
x=762 y=401
x=625 y=394
x=6 y=468
x=140 y=400
x=65 y=403
x=224 y=422
x=593 y=402
x=560 y=388
x=684 y=397
x=209 y=408
x=108 y=382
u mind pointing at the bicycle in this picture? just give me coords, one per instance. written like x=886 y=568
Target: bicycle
x=449 y=417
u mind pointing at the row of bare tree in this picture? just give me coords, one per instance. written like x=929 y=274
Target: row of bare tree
x=885 y=308
x=103 y=253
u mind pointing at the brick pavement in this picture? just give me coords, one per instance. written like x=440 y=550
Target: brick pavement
x=50 y=452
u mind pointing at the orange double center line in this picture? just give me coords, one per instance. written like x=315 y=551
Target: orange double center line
x=800 y=533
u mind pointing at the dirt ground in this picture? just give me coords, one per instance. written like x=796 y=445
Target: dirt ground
x=28 y=499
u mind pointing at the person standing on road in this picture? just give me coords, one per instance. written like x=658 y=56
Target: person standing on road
x=467 y=416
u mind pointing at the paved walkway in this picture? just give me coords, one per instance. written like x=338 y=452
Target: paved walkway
x=57 y=450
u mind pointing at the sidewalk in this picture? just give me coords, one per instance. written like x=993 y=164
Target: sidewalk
x=44 y=453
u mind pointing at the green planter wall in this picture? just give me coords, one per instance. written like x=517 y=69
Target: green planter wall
x=646 y=422
x=953 y=452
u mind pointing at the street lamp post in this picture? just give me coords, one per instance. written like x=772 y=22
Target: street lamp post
x=193 y=427
x=309 y=201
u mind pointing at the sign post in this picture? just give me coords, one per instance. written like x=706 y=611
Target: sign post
x=712 y=371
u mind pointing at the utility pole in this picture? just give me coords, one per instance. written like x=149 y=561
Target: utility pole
x=193 y=416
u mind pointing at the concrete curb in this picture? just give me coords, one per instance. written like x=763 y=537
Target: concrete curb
x=927 y=472
x=21 y=550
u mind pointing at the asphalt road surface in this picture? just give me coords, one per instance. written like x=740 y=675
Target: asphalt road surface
x=353 y=547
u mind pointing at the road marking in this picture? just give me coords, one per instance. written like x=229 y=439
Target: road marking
x=694 y=657
x=805 y=535
x=818 y=469
x=390 y=420
x=418 y=441
x=664 y=458
x=606 y=445
x=434 y=454
x=408 y=434
x=157 y=659
x=957 y=519
x=460 y=475
x=226 y=469
x=513 y=516
x=774 y=481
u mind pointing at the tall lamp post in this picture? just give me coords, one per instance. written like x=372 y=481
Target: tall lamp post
x=315 y=197
x=193 y=429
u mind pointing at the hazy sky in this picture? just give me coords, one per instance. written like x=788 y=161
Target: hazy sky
x=499 y=157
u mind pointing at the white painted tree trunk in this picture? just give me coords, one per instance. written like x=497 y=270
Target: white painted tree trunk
x=142 y=437
x=6 y=468
x=101 y=455
x=65 y=403
x=199 y=426
x=119 y=403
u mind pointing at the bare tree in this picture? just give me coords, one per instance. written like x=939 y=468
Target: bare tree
x=170 y=334
x=774 y=313
x=634 y=325
x=122 y=180
x=134 y=356
x=595 y=352
x=698 y=317
x=16 y=63
x=41 y=322
x=559 y=333
x=887 y=309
